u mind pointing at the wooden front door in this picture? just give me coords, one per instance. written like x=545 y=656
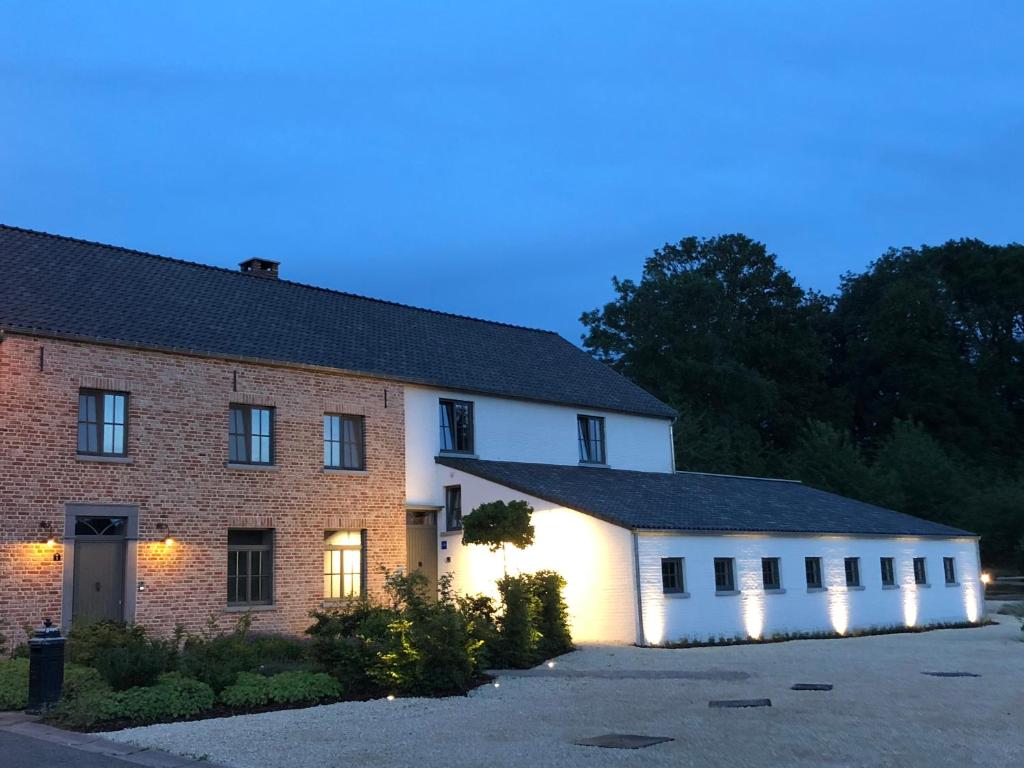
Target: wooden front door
x=421 y=546
x=99 y=569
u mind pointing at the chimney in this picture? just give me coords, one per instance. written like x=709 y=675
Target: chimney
x=260 y=267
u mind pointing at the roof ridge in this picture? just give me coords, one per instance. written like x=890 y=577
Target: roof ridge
x=226 y=270
x=742 y=477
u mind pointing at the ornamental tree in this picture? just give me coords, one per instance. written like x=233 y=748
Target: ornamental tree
x=497 y=524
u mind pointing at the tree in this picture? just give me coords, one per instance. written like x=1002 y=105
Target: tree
x=496 y=524
x=825 y=457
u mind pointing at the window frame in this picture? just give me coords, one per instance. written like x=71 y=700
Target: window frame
x=100 y=423
x=449 y=525
x=676 y=563
x=343 y=548
x=730 y=563
x=921 y=579
x=856 y=580
x=248 y=549
x=584 y=441
x=771 y=563
x=247 y=410
x=342 y=418
x=819 y=583
x=949 y=570
x=888 y=575
x=443 y=404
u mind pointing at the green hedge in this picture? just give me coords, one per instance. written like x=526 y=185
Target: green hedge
x=13 y=684
x=173 y=697
x=252 y=690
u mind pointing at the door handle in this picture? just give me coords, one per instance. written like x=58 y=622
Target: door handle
x=97 y=586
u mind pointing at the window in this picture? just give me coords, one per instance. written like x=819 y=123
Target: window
x=771 y=578
x=725 y=577
x=852 y=571
x=453 y=507
x=102 y=422
x=456 y=426
x=672 y=575
x=888 y=572
x=949 y=569
x=250 y=567
x=343 y=564
x=812 y=567
x=591 y=437
x=250 y=435
x=920 y=572
x=343 y=442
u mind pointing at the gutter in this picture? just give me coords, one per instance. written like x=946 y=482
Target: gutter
x=642 y=636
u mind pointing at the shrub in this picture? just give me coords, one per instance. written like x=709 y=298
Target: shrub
x=519 y=636
x=346 y=641
x=481 y=616
x=87 y=641
x=253 y=690
x=139 y=663
x=248 y=690
x=13 y=684
x=216 y=657
x=173 y=697
x=552 y=617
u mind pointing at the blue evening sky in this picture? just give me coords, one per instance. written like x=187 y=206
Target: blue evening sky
x=504 y=160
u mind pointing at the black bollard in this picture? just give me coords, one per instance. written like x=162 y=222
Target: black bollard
x=45 y=668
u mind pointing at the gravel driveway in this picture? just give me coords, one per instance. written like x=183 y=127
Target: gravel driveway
x=883 y=711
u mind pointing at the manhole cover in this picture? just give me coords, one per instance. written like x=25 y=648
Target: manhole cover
x=811 y=687
x=951 y=674
x=738 y=703
x=622 y=741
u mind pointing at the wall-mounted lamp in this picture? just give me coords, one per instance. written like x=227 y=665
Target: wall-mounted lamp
x=985 y=578
x=167 y=539
x=47 y=533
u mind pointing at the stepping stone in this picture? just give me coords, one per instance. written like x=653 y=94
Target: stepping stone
x=738 y=703
x=811 y=687
x=951 y=674
x=622 y=741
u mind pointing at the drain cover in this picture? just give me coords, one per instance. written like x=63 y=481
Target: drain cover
x=951 y=674
x=811 y=687
x=737 y=703
x=622 y=741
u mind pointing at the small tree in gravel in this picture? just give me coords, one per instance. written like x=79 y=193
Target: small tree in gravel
x=497 y=524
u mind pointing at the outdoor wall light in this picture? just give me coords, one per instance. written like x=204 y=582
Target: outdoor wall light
x=986 y=578
x=47 y=532
x=167 y=539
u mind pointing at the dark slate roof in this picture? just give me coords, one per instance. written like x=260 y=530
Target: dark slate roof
x=692 y=501
x=62 y=286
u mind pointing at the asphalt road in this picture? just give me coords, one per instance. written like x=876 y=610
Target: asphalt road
x=23 y=752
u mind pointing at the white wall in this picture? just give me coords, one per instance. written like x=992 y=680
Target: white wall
x=703 y=614
x=595 y=559
x=517 y=430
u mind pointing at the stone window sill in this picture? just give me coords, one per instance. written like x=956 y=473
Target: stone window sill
x=726 y=592
x=338 y=602
x=817 y=589
x=595 y=464
x=353 y=472
x=854 y=589
x=952 y=583
x=890 y=586
x=104 y=459
x=921 y=586
x=778 y=591
x=676 y=595
x=248 y=608
x=456 y=455
x=253 y=467
x=446 y=534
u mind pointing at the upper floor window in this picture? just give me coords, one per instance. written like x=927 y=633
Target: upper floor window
x=949 y=569
x=771 y=576
x=591 y=436
x=852 y=565
x=344 y=442
x=250 y=435
x=456 y=426
x=812 y=569
x=343 y=564
x=102 y=422
x=888 y=572
x=725 y=574
x=453 y=507
x=920 y=572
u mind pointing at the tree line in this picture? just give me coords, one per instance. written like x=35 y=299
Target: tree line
x=905 y=388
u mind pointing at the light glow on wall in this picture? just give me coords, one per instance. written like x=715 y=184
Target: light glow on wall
x=753 y=615
x=839 y=611
x=971 y=602
x=910 y=605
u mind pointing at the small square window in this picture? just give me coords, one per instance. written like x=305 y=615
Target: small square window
x=250 y=435
x=456 y=418
x=771 y=577
x=344 y=442
x=920 y=571
x=343 y=564
x=725 y=574
x=453 y=507
x=949 y=569
x=102 y=423
x=812 y=568
x=590 y=430
x=672 y=575
x=888 y=572
x=852 y=566
x=250 y=567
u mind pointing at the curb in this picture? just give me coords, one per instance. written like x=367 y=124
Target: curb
x=28 y=725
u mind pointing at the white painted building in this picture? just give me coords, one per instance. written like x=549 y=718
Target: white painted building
x=654 y=556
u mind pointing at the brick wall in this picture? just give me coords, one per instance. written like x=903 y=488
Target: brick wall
x=177 y=441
